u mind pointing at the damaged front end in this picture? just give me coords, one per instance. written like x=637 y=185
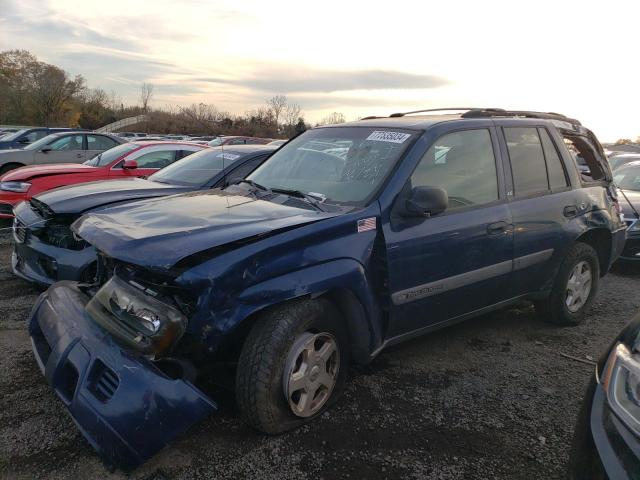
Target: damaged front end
x=108 y=352
x=45 y=248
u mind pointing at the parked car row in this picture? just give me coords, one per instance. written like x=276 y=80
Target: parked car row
x=293 y=261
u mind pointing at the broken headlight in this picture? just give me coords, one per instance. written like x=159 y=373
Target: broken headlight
x=138 y=319
x=621 y=382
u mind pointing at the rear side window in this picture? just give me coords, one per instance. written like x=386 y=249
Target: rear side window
x=527 y=160
x=463 y=163
x=158 y=159
x=98 y=142
x=589 y=162
x=557 y=176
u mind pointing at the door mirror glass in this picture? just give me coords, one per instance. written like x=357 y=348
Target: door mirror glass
x=425 y=202
x=130 y=164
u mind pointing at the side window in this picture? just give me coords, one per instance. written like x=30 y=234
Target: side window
x=527 y=160
x=237 y=141
x=557 y=175
x=464 y=164
x=159 y=159
x=184 y=153
x=35 y=135
x=98 y=142
x=68 y=143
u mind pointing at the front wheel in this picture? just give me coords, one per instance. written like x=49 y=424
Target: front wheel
x=292 y=366
x=574 y=288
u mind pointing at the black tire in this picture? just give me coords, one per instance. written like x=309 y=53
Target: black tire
x=554 y=309
x=260 y=393
x=8 y=167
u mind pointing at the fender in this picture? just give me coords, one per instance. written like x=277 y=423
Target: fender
x=343 y=279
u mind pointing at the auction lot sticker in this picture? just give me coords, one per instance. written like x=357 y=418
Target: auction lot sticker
x=393 y=137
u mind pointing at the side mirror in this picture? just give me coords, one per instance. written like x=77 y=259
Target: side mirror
x=425 y=202
x=46 y=149
x=130 y=165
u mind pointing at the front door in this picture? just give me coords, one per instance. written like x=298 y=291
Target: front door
x=458 y=261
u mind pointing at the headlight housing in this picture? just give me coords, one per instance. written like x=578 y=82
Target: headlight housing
x=621 y=382
x=19 y=187
x=136 y=318
x=634 y=227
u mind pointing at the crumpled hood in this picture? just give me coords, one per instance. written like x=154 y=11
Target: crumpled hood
x=158 y=233
x=76 y=199
x=33 y=171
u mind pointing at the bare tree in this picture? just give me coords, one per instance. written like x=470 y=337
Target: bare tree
x=291 y=114
x=277 y=104
x=146 y=95
x=334 y=118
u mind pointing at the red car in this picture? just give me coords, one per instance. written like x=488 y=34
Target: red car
x=127 y=160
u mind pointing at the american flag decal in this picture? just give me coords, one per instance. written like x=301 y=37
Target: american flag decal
x=366 y=224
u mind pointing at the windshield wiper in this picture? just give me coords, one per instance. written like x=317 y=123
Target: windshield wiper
x=311 y=200
x=253 y=184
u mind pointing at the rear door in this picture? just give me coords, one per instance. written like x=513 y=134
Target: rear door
x=459 y=261
x=541 y=203
x=64 y=149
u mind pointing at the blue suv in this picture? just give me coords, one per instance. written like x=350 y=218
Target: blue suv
x=347 y=240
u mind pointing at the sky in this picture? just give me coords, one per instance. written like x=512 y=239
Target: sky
x=579 y=58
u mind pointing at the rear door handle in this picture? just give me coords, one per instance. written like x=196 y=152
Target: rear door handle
x=498 y=227
x=570 y=211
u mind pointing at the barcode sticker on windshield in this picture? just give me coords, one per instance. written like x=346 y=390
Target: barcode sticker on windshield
x=393 y=137
x=228 y=156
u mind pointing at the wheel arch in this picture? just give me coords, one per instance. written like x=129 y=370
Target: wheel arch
x=600 y=239
x=341 y=282
x=7 y=167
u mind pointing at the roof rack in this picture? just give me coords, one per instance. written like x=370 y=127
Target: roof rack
x=402 y=114
x=471 y=112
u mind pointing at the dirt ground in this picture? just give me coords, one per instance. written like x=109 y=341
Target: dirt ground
x=490 y=398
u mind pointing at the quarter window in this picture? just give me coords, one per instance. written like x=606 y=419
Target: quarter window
x=557 y=176
x=464 y=164
x=527 y=160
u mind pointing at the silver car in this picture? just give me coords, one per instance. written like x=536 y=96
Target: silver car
x=67 y=147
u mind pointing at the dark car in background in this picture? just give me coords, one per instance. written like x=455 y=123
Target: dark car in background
x=66 y=147
x=26 y=136
x=329 y=252
x=627 y=179
x=45 y=249
x=606 y=442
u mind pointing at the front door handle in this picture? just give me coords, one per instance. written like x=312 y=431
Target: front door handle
x=498 y=228
x=570 y=211
x=79 y=155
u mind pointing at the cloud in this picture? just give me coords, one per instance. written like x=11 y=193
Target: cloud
x=291 y=80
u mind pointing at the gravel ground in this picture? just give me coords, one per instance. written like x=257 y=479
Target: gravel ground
x=489 y=398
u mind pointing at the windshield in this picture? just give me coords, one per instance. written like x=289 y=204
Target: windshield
x=108 y=156
x=197 y=169
x=12 y=136
x=343 y=164
x=42 y=142
x=628 y=178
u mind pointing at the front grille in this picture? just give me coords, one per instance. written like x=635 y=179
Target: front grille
x=103 y=381
x=20 y=231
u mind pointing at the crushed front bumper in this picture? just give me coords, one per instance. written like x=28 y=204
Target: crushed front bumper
x=124 y=406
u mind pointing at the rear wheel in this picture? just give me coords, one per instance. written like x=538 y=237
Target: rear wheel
x=575 y=287
x=292 y=366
